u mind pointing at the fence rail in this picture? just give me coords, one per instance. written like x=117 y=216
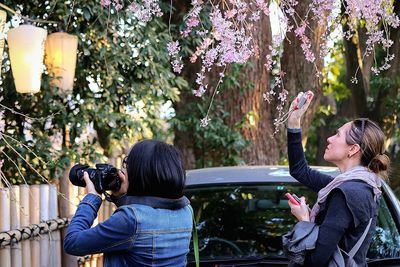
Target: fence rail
x=31 y=230
x=17 y=235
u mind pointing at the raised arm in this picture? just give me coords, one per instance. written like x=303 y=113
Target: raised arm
x=115 y=234
x=298 y=165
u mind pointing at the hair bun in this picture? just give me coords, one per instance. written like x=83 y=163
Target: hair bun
x=380 y=163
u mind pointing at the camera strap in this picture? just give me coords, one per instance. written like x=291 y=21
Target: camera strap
x=107 y=196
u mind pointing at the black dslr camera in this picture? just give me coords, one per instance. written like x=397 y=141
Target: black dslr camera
x=104 y=177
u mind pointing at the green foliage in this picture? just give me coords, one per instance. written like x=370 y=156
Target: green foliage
x=334 y=76
x=381 y=85
x=383 y=102
x=123 y=79
x=218 y=144
x=334 y=86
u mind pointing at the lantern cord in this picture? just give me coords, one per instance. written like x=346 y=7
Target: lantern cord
x=27 y=18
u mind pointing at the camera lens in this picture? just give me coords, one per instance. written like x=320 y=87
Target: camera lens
x=76 y=174
x=104 y=177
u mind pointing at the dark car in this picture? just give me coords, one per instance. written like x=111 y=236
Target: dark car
x=242 y=213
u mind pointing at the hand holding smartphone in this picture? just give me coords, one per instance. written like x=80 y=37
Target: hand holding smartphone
x=302 y=101
x=293 y=198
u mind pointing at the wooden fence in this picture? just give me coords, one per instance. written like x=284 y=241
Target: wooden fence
x=33 y=221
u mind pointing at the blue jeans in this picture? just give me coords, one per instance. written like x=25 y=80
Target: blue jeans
x=135 y=235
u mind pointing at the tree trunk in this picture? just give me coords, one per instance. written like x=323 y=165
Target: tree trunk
x=182 y=137
x=301 y=75
x=357 y=88
x=394 y=75
x=246 y=103
x=247 y=107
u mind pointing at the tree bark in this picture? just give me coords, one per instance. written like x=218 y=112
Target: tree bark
x=246 y=104
x=183 y=139
x=301 y=75
x=358 y=91
x=247 y=107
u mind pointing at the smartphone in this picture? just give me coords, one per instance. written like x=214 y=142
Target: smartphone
x=302 y=101
x=296 y=197
x=293 y=198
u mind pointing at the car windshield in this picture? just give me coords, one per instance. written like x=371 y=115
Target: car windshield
x=243 y=221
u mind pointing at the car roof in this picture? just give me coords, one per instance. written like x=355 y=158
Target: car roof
x=246 y=174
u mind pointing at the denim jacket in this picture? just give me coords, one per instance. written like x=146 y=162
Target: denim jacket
x=143 y=231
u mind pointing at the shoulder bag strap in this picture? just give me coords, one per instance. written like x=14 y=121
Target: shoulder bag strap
x=195 y=240
x=357 y=246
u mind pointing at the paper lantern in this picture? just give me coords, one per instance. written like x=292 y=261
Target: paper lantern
x=60 y=59
x=26 y=49
x=3 y=17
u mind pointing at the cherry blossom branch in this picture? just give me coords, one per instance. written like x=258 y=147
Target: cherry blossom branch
x=9 y=185
x=28 y=117
x=15 y=164
x=25 y=146
x=23 y=159
x=204 y=122
x=229 y=39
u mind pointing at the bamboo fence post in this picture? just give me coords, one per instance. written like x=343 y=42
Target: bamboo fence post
x=107 y=208
x=15 y=223
x=73 y=198
x=25 y=221
x=81 y=193
x=100 y=218
x=44 y=216
x=55 y=236
x=112 y=208
x=93 y=261
x=34 y=207
x=100 y=214
x=5 y=254
x=100 y=260
x=65 y=212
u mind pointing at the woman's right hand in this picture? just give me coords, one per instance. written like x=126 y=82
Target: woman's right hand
x=296 y=115
x=301 y=212
x=124 y=185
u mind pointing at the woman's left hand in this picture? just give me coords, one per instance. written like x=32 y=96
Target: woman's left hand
x=296 y=115
x=124 y=185
x=300 y=211
x=89 y=185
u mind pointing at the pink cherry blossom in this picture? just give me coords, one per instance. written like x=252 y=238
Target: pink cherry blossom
x=173 y=48
x=204 y=122
x=176 y=61
x=229 y=37
x=105 y=3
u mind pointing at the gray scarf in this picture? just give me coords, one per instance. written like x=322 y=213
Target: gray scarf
x=355 y=173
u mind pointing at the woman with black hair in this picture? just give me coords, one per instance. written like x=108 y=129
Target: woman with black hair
x=153 y=223
x=347 y=205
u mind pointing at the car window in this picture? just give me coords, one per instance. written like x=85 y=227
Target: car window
x=241 y=221
x=249 y=220
x=386 y=240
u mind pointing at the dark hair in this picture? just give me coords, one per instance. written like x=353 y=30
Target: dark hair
x=370 y=137
x=155 y=169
